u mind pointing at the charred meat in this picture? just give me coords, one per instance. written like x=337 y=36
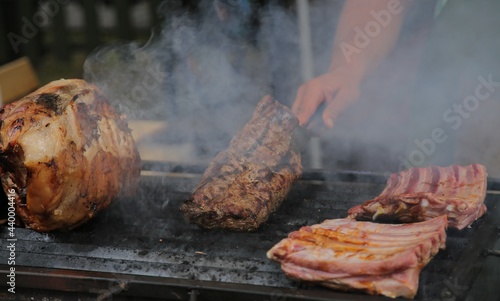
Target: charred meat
x=246 y=182
x=419 y=194
x=350 y=255
x=66 y=153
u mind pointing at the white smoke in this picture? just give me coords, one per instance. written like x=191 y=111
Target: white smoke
x=212 y=72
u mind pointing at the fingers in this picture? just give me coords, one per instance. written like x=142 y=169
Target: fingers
x=336 y=92
x=343 y=99
x=308 y=99
x=304 y=105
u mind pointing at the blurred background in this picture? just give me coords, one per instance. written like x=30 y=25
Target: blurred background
x=57 y=36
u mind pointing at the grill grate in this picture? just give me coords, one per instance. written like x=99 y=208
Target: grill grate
x=142 y=247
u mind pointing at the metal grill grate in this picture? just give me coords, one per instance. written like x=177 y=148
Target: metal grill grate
x=142 y=246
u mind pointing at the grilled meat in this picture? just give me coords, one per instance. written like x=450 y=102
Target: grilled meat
x=418 y=194
x=349 y=255
x=246 y=182
x=66 y=153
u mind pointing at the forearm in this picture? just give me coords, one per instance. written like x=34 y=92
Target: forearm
x=367 y=31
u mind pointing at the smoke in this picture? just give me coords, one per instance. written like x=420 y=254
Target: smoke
x=456 y=91
x=203 y=73
x=411 y=106
x=211 y=62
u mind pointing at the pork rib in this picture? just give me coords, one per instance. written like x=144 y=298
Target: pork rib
x=418 y=194
x=349 y=255
x=66 y=153
x=246 y=182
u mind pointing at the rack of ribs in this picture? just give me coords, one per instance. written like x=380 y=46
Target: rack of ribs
x=419 y=194
x=349 y=255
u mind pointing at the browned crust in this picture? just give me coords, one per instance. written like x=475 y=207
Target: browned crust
x=80 y=177
x=245 y=183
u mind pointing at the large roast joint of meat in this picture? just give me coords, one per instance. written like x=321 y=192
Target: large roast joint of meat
x=66 y=153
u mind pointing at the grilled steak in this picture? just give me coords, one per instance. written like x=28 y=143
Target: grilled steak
x=66 y=153
x=350 y=255
x=246 y=182
x=418 y=194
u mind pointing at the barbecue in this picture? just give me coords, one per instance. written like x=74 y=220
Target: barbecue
x=170 y=233
x=418 y=194
x=248 y=181
x=348 y=255
x=156 y=254
x=65 y=155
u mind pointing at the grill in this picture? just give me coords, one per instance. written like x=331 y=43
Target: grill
x=140 y=248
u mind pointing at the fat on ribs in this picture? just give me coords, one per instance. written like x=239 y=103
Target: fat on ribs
x=246 y=182
x=66 y=153
x=349 y=255
x=418 y=194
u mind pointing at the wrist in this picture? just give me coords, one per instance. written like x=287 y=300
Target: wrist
x=354 y=71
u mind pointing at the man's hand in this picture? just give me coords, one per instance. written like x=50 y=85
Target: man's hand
x=336 y=89
x=339 y=88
